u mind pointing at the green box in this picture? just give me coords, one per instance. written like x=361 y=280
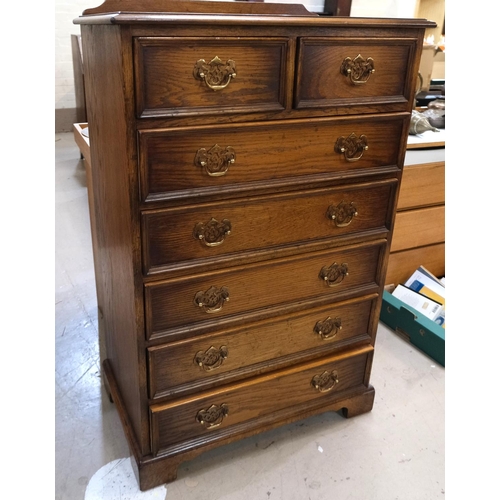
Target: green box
x=414 y=327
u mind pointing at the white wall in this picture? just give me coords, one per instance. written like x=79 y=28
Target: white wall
x=65 y=12
x=383 y=8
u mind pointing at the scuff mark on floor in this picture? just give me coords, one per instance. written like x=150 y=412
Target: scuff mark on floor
x=116 y=481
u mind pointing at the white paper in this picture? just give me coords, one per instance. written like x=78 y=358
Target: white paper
x=420 y=303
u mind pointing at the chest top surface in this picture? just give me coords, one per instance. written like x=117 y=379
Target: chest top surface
x=253 y=13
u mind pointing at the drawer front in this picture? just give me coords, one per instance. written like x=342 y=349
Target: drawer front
x=186 y=76
x=217 y=231
x=201 y=362
x=403 y=264
x=187 y=162
x=422 y=185
x=355 y=73
x=418 y=228
x=215 y=412
x=208 y=301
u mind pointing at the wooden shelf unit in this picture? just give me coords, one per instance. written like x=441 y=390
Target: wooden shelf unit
x=419 y=232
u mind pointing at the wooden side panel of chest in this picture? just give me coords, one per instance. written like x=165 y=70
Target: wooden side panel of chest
x=116 y=238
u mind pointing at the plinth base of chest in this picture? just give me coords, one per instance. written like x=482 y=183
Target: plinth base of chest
x=153 y=471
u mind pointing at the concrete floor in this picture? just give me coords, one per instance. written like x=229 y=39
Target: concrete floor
x=394 y=452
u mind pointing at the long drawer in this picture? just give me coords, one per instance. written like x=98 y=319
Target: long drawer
x=200 y=303
x=210 y=413
x=201 y=362
x=197 y=161
x=403 y=264
x=422 y=185
x=216 y=231
x=419 y=227
x=185 y=76
x=357 y=73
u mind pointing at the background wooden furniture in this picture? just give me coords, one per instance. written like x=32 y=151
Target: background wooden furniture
x=337 y=7
x=79 y=79
x=80 y=133
x=244 y=175
x=419 y=232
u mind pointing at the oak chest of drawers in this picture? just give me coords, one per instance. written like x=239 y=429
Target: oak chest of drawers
x=246 y=160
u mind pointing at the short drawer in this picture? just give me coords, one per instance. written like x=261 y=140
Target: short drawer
x=199 y=363
x=216 y=412
x=356 y=73
x=202 y=161
x=215 y=232
x=186 y=76
x=213 y=300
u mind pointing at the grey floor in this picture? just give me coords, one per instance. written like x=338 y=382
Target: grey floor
x=397 y=451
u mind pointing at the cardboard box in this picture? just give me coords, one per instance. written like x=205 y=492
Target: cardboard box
x=415 y=328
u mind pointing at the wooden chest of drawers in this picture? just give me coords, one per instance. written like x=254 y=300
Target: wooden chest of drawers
x=246 y=160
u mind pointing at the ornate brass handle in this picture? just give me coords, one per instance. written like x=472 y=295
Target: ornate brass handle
x=326 y=381
x=212 y=233
x=213 y=299
x=211 y=359
x=334 y=274
x=358 y=70
x=215 y=160
x=352 y=147
x=342 y=214
x=212 y=417
x=216 y=74
x=328 y=328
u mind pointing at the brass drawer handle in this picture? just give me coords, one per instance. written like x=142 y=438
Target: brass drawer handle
x=212 y=417
x=213 y=299
x=211 y=359
x=216 y=74
x=358 y=70
x=216 y=160
x=334 y=274
x=212 y=233
x=328 y=328
x=326 y=381
x=342 y=214
x=352 y=147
